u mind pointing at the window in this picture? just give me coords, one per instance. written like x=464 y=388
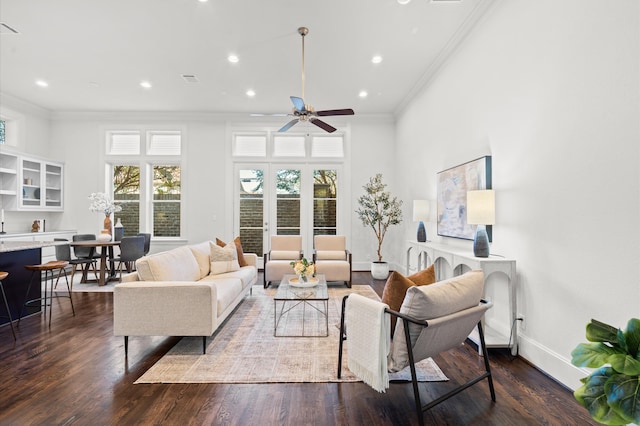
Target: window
x=146 y=178
x=126 y=191
x=166 y=201
x=325 y=197
x=1 y=132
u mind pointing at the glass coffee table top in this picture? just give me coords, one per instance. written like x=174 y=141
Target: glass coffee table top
x=289 y=292
x=299 y=305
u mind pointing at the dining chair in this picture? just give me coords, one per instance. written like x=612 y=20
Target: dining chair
x=147 y=242
x=63 y=252
x=86 y=253
x=131 y=249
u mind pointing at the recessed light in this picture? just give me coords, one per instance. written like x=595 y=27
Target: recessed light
x=42 y=83
x=251 y=93
x=376 y=59
x=363 y=94
x=203 y=1
x=403 y=1
x=145 y=84
x=233 y=59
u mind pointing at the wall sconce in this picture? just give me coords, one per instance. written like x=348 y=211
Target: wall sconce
x=481 y=211
x=421 y=214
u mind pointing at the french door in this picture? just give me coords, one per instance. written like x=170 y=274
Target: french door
x=286 y=199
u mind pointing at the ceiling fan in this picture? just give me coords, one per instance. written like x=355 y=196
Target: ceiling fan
x=304 y=112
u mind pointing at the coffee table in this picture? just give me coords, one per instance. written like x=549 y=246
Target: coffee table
x=290 y=297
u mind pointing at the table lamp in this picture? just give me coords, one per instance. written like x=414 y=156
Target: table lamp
x=481 y=211
x=420 y=214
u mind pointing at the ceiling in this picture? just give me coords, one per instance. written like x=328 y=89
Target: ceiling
x=94 y=54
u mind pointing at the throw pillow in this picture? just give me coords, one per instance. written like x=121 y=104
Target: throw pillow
x=426 y=276
x=223 y=259
x=396 y=287
x=236 y=242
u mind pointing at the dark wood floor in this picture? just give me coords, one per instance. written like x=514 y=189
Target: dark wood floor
x=75 y=373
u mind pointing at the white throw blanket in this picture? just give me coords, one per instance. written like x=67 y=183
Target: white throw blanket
x=368 y=340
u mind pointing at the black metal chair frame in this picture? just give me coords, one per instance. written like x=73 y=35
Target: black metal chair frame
x=406 y=319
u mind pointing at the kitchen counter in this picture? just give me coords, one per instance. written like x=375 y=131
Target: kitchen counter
x=9 y=246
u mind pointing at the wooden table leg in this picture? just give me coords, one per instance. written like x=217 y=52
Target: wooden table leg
x=103 y=266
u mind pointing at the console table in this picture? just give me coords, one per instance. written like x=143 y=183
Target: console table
x=452 y=261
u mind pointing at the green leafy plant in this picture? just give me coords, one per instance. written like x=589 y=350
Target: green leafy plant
x=378 y=209
x=612 y=392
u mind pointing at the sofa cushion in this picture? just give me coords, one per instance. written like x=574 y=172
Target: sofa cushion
x=227 y=290
x=247 y=274
x=177 y=264
x=223 y=259
x=284 y=254
x=425 y=276
x=202 y=253
x=331 y=255
x=238 y=245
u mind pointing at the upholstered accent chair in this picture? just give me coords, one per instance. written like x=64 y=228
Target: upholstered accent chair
x=432 y=319
x=332 y=258
x=277 y=261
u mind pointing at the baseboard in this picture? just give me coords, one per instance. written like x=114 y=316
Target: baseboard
x=556 y=366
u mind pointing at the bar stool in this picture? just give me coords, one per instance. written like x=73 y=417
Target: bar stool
x=4 y=275
x=48 y=268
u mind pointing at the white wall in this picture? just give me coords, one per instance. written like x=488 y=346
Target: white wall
x=551 y=90
x=207 y=175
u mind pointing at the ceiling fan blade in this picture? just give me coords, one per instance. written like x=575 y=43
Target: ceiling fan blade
x=288 y=125
x=298 y=103
x=259 y=114
x=346 y=111
x=323 y=125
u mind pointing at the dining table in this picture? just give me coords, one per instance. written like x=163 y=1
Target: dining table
x=106 y=248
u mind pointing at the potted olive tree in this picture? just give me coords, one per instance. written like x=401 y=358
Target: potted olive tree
x=379 y=210
x=611 y=393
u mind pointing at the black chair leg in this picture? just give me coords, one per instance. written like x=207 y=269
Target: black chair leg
x=126 y=346
x=342 y=336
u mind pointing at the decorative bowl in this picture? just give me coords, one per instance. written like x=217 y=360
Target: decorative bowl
x=297 y=282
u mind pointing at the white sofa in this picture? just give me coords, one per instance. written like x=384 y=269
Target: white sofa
x=173 y=293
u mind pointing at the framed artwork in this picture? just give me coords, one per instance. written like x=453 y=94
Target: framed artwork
x=453 y=185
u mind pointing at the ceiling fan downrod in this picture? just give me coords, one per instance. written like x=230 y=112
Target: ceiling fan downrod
x=303 y=31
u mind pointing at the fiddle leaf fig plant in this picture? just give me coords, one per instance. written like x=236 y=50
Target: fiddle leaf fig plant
x=612 y=392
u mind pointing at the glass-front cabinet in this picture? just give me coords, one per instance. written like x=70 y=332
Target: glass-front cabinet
x=29 y=183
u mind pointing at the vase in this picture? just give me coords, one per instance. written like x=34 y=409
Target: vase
x=104 y=236
x=379 y=270
x=107 y=223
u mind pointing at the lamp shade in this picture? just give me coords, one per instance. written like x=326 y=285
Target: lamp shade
x=481 y=207
x=420 y=210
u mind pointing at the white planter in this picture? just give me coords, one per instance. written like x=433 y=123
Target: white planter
x=379 y=270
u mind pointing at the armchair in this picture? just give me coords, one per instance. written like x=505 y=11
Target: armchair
x=332 y=258
x=284 y=250
x=433 y=319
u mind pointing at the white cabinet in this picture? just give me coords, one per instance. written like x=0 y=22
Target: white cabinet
x=8 y=180
x=28 y=183
x=450 y=261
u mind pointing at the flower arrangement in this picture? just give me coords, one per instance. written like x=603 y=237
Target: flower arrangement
x=303 y=268
x=101 y=202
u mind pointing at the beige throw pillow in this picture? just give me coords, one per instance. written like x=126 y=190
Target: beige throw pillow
x=223 y=259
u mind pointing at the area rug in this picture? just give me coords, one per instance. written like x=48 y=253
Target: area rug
x=244 y=349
